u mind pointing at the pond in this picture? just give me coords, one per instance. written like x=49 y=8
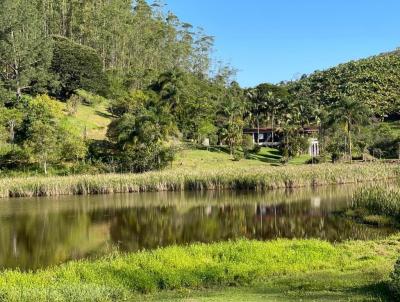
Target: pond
x=40 y=232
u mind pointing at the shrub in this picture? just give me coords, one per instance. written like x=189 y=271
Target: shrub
x=247 y=145
x=256 y=148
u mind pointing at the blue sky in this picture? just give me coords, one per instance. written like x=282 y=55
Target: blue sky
x=274 y=40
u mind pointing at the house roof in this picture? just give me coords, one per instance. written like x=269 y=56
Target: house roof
x=269 y=129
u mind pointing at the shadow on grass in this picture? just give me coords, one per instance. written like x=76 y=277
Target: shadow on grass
x=379 y=290
x=103 y=114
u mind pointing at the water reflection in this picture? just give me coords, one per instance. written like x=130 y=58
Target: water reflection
x=41 y=232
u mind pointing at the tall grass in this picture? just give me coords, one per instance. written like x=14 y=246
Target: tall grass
x=378 y=200
x=252 y=178
x=385 y=201
x=118 y=277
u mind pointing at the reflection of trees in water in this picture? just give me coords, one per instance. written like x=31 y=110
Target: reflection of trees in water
x=152 y=227
x=33 y=241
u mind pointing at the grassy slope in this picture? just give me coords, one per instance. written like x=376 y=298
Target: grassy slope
x=95 y=118
x=281 y=270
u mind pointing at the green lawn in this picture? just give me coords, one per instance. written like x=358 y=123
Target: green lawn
x=215 y=158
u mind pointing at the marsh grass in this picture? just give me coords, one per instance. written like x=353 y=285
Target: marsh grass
x=123 y=276
x=181 y=179
x=378 y=201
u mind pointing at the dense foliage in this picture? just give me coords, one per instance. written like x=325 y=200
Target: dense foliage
x=155 y=75
x=77 y=67
x=374 y=82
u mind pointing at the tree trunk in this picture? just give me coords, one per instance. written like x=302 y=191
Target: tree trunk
x=350 y=143
x=258 y=130
x=273 y=128
x=45 y=167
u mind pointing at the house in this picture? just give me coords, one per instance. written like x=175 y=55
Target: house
x=269 y=138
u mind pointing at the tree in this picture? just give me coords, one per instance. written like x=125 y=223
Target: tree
x=10 y=119
x=350 y=113
x=25 y=52
x=140 y=136
x=77 y=67
x=43 y=143
x=273 y=100
x=231 y=117
x=257 y=108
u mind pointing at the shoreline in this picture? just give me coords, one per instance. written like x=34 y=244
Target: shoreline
x=252 y=179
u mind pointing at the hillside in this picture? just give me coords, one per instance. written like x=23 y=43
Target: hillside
x=374 y=80
x=95 y=119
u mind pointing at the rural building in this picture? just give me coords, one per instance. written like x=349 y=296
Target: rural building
x=263 y=136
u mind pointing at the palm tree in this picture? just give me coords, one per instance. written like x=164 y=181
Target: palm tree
x=257 y=108
x=351 y=113
x=275 y=106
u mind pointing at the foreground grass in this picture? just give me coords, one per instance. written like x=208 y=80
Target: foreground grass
x=200 y=178
x=268 y=271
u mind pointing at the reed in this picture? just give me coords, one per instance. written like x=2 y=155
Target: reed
x=378 y=200
x=229 y=178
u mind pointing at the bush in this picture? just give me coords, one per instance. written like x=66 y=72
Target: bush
x=256 y=148
x=237 y=156
x=247 y=145
x=141 y=158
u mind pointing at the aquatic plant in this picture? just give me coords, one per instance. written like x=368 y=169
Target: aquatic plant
x=250 y=178
x=378 y=200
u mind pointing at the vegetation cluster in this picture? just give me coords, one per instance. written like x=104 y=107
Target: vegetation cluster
x=188 y=178
x=159 y=86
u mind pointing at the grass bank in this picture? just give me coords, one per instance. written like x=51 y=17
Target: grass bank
x=181 y=178
x=379 y=201
x=305 y=266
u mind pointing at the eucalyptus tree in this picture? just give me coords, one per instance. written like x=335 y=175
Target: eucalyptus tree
x=25 y=52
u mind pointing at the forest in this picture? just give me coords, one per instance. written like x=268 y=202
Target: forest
x=161 y=90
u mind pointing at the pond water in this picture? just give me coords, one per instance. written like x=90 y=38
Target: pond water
x=40 y=232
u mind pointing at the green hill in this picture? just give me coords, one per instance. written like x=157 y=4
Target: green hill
x=374 y=80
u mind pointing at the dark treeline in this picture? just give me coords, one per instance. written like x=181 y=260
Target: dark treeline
x=160 y=85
